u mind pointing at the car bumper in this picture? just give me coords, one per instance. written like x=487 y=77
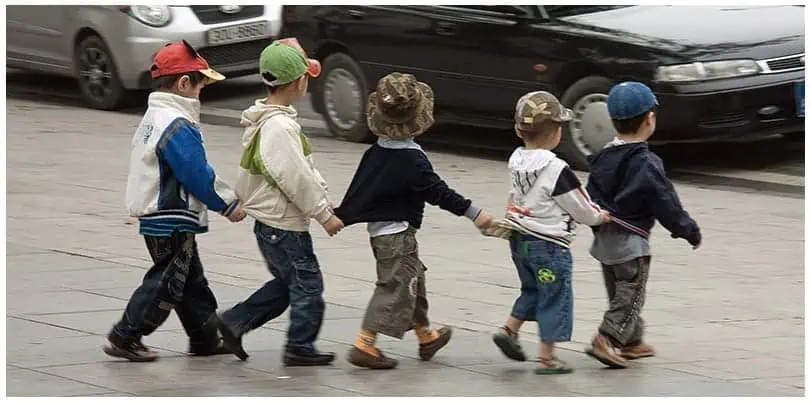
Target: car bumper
x=733 y=112
x=134 y=53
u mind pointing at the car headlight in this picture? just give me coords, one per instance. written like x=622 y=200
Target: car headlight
x=156 y=16
x=706 y=71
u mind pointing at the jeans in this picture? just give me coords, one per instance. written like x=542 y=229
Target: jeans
x=545 y=271
x=175 y=281
x=297 y=283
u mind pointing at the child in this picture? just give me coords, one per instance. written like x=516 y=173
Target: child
x=283 y=191
x=389 y=191
x=170 y=187
x=544 y=204
x=629 y=181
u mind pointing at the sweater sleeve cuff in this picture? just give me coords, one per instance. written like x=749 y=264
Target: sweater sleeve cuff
x=472 y=212
x=323 y=216
x=231 y=208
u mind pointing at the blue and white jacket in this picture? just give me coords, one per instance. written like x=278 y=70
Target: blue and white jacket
x=171 y=185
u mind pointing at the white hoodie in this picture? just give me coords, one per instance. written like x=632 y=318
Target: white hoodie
x=278 y=183
x=546 y=199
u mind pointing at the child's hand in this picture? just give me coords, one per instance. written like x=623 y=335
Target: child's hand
x=333 y=226
x=483 y=221
x=237 y=215
x=605 y=217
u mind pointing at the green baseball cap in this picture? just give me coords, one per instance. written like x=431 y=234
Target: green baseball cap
x=286 y=60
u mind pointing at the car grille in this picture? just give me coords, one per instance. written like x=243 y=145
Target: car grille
x=781 y=64
x=214 y=15
x=235 y=53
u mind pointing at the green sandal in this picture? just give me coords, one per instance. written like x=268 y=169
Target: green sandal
x=553 y=366
x=507 y=341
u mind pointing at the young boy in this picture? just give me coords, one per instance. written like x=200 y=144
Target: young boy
x=544 y=204
x=283 y=191
x=389 y=191
x=629 y=181
x=170 y=187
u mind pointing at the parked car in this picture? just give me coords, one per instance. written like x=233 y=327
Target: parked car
x=109 y=48
x=720 y=72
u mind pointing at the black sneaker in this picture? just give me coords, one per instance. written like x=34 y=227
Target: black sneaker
x=300 y=359
x=131 y=349
x=231 y=341
x=200 y=351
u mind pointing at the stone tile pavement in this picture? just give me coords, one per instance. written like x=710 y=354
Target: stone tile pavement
x=727 y=319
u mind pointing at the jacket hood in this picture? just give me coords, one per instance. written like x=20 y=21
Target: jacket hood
x=604 y=164
x=257 y=114
x=530 y=160
x=188 y=107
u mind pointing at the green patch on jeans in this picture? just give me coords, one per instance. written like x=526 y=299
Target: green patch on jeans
x=546 y=276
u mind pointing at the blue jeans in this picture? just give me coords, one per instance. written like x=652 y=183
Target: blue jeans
x=297 y=283
x=545 y=270
x=175 y=281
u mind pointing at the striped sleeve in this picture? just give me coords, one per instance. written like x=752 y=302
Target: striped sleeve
x=572 y=197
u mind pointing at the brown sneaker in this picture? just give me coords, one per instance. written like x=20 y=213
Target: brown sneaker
x=360 y=358
x=637 y=351
x=602 y=350
x=428 y=350
x=130 y=349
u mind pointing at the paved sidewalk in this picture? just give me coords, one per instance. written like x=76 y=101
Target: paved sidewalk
x=727 y=319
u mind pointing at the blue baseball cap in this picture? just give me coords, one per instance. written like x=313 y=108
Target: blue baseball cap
x=630 y=99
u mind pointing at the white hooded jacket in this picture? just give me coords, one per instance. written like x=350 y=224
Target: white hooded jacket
x=546 y=199
x=278 y=183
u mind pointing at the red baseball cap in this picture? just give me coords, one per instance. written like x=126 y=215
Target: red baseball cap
x=179 y=58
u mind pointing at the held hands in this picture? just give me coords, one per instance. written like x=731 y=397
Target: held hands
x=605 y=217
x=333 y=226
x=238 y=215
x=483 y=221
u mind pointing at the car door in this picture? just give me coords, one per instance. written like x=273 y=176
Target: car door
x=37 y=37
x=494 y=55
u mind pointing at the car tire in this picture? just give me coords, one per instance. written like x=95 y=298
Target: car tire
x=591 y=127
x=98 y=74
x=342 y=93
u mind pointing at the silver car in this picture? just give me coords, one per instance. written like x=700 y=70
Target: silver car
x=109 y=48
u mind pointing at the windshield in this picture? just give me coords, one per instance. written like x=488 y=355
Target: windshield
x=566 y=11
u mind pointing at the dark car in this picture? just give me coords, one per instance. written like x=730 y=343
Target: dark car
x=720 y=72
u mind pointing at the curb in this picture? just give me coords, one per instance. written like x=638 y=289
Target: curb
x=231 y=117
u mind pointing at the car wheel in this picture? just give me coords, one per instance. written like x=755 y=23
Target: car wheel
x=343 y=93
x=97 y=73
x=591 y=128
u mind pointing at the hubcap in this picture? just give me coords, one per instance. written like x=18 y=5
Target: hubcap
x=591 y=128
x=343 y=99
x=96 y=72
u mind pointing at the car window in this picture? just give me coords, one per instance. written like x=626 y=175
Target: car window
x=567 y=11
x=498 y=9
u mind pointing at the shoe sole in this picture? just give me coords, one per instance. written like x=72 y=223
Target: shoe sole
x=636 y=356
x=605 y=360
x=116 y=352
x=507 y=347
x=307 y=364
x=231 y=342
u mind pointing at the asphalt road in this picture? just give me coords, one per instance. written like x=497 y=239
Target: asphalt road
x=774 y=165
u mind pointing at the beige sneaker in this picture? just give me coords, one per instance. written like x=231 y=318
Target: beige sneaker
x=602 y=350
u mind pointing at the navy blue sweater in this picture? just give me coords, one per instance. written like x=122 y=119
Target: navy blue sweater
x=394 y=185
x=629 y=181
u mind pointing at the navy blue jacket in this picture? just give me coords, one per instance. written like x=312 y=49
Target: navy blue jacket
x=394 y=185
x=629 y=181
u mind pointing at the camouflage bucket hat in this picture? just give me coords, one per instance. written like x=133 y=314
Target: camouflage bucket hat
x=536 y=107
x=400 y=108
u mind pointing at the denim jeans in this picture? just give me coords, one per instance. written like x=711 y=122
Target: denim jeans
x=175 y=281
x=545 y=271
x=297 y=283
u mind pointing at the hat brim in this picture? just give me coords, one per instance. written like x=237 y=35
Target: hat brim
x=423 y=118
x=212 y=75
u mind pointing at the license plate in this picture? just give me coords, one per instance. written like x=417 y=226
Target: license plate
x=799 y=95
x=238 y=33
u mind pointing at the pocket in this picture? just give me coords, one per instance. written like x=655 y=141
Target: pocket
x=394 y=246
x=627 y=271
x=308 y=275
x=269 y=235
